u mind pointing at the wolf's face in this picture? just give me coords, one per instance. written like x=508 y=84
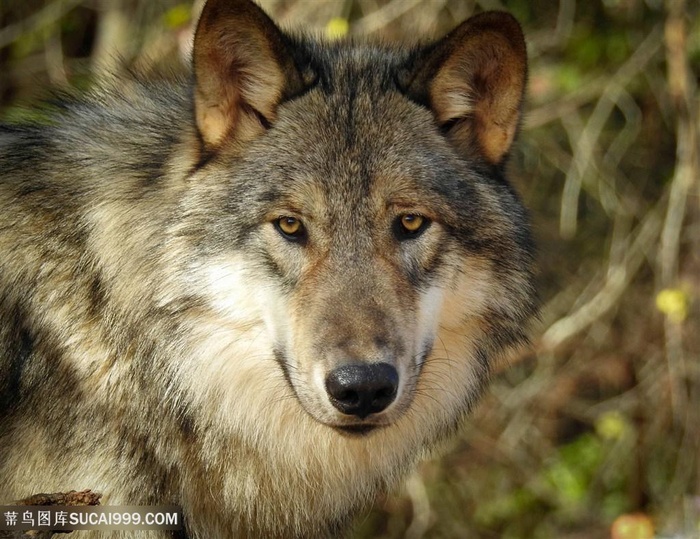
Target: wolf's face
x=358 y=240
x=373 y=242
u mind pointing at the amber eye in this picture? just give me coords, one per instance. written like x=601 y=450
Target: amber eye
x=290 y=227
x=410 y=226
x=412 y=222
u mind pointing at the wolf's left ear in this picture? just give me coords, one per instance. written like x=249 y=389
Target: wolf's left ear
x=243 y=69
x=474 y=81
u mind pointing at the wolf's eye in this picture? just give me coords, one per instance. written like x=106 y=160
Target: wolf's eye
x=291 y=228
x=412 y=222
x=410 y=225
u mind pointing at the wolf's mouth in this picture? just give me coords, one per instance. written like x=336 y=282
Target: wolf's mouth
x=356 y=430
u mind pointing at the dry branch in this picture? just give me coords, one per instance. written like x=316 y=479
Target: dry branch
x=72 y=498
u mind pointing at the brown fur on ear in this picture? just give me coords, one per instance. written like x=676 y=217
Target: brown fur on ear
x=242 y=69
x=474 y=81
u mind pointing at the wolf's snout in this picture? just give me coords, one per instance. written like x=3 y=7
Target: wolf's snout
x=362 y=388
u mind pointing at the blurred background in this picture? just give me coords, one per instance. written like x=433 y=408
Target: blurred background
x=595 y=430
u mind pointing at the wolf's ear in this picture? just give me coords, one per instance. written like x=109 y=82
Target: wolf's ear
x=474 y=81
x=243 y=69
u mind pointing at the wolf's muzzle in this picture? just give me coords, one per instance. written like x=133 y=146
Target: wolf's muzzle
x=361 y=389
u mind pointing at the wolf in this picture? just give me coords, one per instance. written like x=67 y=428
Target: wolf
x=265 y=289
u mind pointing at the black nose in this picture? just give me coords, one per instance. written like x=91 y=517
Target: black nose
x=362 y=388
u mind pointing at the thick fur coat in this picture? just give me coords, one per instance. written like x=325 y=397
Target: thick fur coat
x=263 y=291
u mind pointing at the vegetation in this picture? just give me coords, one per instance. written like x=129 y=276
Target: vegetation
x=594 y=431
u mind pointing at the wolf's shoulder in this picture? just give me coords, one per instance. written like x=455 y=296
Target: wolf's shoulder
x=125 y=124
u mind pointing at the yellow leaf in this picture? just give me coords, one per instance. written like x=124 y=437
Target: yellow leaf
x=633 y=526
x=337 y=27
x=178 y=16
x=673 y=302
x=611 y=426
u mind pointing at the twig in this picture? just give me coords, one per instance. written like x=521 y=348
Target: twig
x=415 y=488
x=619 y=277
x=112 y=38
x=553 y=111
x=687 y=165
x=71 y=498
x=680 y=83
x=383 y=16
x=583 y=154
x=45 y=17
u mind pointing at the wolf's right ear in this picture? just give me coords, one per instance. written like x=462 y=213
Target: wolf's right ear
x=243 y=69
x=474 y=80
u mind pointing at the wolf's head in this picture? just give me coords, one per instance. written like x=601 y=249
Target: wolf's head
x=354 y=214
